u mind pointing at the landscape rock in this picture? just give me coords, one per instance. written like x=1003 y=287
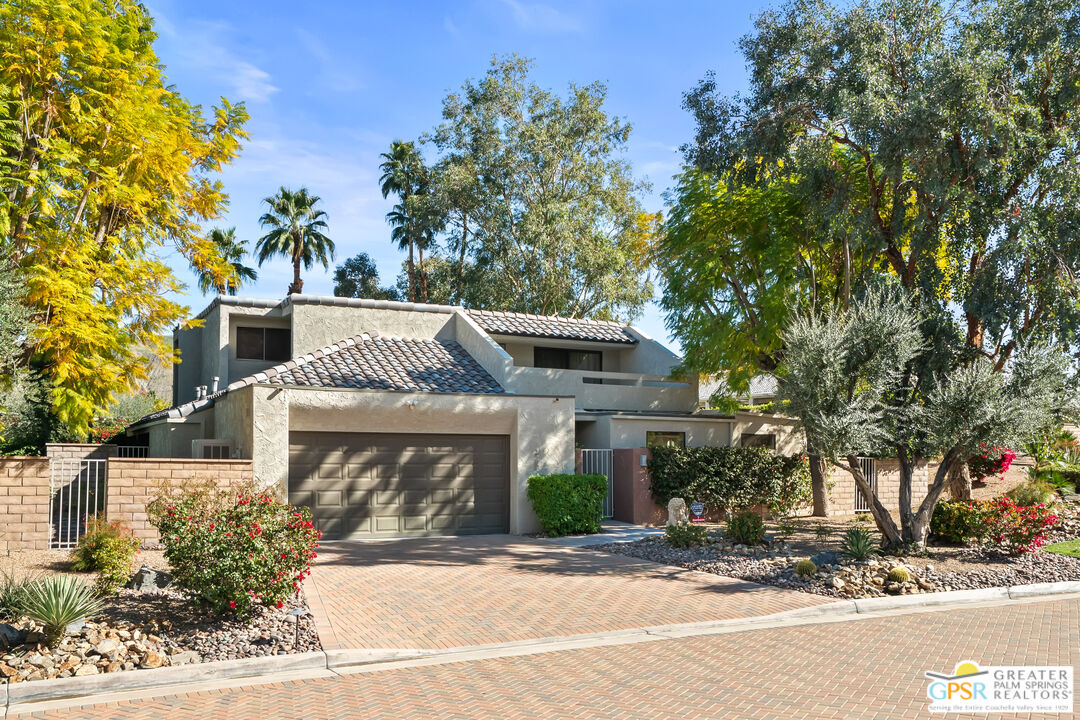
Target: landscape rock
x=147 y=579
x=676 y=511
x=826 y=557
x=10 y=636
x=152 y=660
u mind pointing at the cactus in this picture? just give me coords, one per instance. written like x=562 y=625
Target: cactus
x=899 y=575
x=805 y=568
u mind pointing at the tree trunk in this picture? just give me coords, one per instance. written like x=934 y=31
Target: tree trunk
x=819 y=485
x=890 y=534
x=297 y=285
x=461 y=257
x=959 y=480
x=412 y=271
x=920 y=521
x=422 y=275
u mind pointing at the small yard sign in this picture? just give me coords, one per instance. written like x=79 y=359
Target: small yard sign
x=697 y=509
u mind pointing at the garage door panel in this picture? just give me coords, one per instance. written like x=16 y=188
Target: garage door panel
x=385 y=485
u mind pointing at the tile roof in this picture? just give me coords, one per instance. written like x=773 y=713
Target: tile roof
x=551 y=326
x=397 y=364
x=366 y=362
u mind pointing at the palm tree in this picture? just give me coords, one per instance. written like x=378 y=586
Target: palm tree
x=232 y=251
x=296 y=231
x=402 y=172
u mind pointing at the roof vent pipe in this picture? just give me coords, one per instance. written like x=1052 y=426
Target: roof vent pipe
x=214 y=386
x=197 y=390
x=202 y=392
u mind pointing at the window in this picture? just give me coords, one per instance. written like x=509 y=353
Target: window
x=665 y=439
x=758 y=440
x=256 y=343
x=564 y=359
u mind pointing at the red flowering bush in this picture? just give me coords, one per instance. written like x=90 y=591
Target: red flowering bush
x=1018 y=528
x=232 y=548
x=991 y=461
x=999 y=522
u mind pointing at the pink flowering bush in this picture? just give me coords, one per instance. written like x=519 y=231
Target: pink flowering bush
x=990 y=461
x=230 y=549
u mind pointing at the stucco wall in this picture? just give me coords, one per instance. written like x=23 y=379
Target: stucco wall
x=789 y=440
x=464 y=330
x=234 y=420
x=316 y=326
x=172 y=439
x=651 y=358
x=629 y=432
x=540 y=429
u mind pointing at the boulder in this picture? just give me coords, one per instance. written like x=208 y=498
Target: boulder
x=147 y=579
x=826 y=557
x=106 y=646
x=184 y=658
x=676 y=511
x=10 y=636
x=152 y=660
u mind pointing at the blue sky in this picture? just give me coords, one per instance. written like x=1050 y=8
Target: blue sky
x=330 y=84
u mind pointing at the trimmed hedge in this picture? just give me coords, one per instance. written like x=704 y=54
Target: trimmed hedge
x=568 y=504
x=730 y=477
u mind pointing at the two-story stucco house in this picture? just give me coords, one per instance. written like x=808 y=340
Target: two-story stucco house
x=392 y=419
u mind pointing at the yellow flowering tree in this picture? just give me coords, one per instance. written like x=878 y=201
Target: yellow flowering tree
x=105 y=168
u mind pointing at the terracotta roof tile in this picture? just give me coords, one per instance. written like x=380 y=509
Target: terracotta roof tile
x=551 y=326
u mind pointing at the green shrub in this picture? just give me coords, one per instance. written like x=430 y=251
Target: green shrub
x=956 y=521
x=899 y=575
x=568 y=504
x=823 y=533
x=746 y=527
x=109 y=549
x=231 y=548
x=1032 y=492
x=56 y=602
x=11 y=592
x=730 y=477
x=805 y=568
x=857 y=543
x=685 y=534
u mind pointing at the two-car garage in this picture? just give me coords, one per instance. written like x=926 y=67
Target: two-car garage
x=379 y=485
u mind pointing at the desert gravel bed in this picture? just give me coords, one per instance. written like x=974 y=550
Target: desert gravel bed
x=145 y=630
x=773 y=563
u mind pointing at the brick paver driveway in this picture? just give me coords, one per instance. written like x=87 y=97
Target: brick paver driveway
x=440 y=593
x=861 y=669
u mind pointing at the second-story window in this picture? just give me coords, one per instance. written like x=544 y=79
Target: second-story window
x=256 y=343
x=565 y=359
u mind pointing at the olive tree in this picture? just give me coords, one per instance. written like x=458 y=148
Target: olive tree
x=881 y=378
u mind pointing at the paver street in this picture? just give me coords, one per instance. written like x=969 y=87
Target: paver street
x=862 y=669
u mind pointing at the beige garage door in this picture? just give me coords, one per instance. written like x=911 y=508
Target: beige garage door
x=367 y=485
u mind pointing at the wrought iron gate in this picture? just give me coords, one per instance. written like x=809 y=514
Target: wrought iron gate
x=599 y=462
x=76 y=491
x=869 y=469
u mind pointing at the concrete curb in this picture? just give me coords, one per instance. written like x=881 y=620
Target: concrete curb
x=26 y=697
x=139 y=679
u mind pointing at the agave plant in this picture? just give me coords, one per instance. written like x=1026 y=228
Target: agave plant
x=858 y=544
x=56 y=602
